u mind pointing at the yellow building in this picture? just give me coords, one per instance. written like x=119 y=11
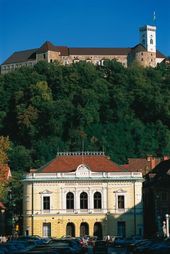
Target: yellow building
x=83 y=194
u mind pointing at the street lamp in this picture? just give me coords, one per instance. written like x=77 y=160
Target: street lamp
x=167 y=225
x=2 y=220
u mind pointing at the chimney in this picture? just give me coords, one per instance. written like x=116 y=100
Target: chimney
x=165 y=157
x=33 y=170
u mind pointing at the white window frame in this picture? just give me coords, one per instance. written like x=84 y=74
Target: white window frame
x=43 y=194
x=117 y=194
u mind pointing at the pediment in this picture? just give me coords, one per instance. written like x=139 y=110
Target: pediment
x=83 y=171
x=45 y=192
x=120 y=191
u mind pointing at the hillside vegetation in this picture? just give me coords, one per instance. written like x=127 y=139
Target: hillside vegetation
x=52 y=108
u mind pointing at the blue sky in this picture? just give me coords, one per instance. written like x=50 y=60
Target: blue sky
x=26 y=24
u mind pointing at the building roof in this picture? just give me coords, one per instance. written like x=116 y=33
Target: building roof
x=143 y=165
x=26 y=55
x=21 y=56
x=99 y=51
x=69 y=163
x=139 y=48
x=159 y=54
x=48 y=46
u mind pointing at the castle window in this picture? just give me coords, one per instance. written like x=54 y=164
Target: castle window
x=70 y=200
x=151 y=41
x=44 y=56
x=83 y=200
x=51 y=60
x=97 y=200
x=141 y=59
x=142 y=53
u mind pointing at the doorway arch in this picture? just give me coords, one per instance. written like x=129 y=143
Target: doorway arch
x=84 y=229
x=98 y=230
x=70 y=229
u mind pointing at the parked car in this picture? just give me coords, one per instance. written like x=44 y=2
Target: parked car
x=119 y=242
x=66 y=246
x=100 y=247
x=142 y=247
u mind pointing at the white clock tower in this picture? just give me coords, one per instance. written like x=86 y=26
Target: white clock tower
x=148 y=38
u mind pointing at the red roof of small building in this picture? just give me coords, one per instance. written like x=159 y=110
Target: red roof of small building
x=69 y=163
x=143 y=165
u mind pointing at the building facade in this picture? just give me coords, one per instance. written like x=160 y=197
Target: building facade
x=83 y=194
x=156 y=195
x=145 y=53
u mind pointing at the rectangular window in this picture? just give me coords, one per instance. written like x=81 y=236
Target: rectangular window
x=164 y=196
x=121 y=228
x=46 y=229
x=46 y=203
x=121 y=202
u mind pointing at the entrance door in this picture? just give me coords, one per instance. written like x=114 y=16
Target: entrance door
x=121 y=228
x=70 y=229
x=84 y=229
x=46 y=229
x=98 y=230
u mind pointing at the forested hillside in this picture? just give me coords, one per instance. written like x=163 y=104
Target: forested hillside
x=52 y=108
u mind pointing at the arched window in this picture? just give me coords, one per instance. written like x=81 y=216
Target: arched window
x=70 y=200
x=70 y=229
x=83 y=200
x=84 y=229
x=151 y=41
x=97 y=200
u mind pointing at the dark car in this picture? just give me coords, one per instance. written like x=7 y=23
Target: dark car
x=100 y=247
x=66 y=246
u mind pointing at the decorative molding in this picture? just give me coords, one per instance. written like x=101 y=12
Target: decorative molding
x=45 y=192
x=119 y=191
x=82 y=171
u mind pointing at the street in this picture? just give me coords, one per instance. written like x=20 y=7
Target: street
x=111 y=250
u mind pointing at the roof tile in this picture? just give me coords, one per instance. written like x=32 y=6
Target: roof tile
x=69 y=163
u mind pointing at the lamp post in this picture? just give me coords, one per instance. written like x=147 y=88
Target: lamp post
x=167 y=225
x=2 y=221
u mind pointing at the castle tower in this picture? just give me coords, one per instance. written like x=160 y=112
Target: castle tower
x=148 y=38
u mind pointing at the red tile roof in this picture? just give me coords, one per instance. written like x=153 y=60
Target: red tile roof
x=69 y=163
x=143 y=165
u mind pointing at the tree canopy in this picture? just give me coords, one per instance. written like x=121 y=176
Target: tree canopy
x=122 y=111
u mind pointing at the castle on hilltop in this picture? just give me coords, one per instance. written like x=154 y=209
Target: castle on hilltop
x=145 y=53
